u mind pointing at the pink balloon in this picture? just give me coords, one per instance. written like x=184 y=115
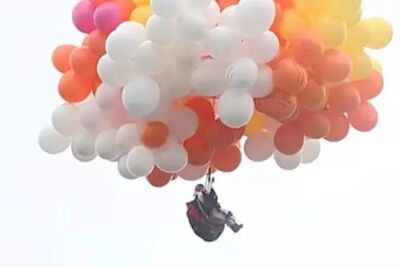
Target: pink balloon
x=365 y=118
x=108 y=16
x=82 y=16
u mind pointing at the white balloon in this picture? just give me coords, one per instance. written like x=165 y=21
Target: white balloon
x=235 y=108
x=227 y=17
x=83 y=146
x=106 y=145
x=160 y=113
x=253 y=17
x=115 y=74
x=209 y=78
x=161 y=31
x=242 y=74
x=182 y=122
x=133 y=28
x=262 y=49
x=108 y=97
x=167 y=8
x=171 y=158
x=176 y=82
x=287 y=162
x=123 y=168
x=141 y=96
x=65 y=119
x=223 y=43
x=193 y=173
x=122 y=45
x=259 y=147
x=92 y=117
x=196 y=5
x=52 y=142
x=140 y=161
x=311 y=150
x=128 y=136
x=187 y=53
x=265 y=83
x=213 y=13
x=148 y=57
x=192 y=26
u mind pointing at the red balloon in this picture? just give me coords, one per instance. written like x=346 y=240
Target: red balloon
x=289 y=138
x=204 y=110
x=220 y=135
x=314 y=124
x=280 y=105
x=314 y=96
x=344 y=98
x=371 y=86
x=290 y=77
x=199 y=150
x=227 y=159
x=339 y=126
x=285 y=4
x=158 y=178
x=336 y=66
x=226 y=3
x=365 y=118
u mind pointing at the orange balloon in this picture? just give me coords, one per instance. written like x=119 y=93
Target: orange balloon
x=227 y=159
x=74 y=88
x=225 y=3
x=96 y=41
x=84 y=62
x=336 y=66
x=279 y=105
x=158 y=178
x=285 y=4
x=290 y=76
x=60 y=57
x=289 y=138
x=127 y=7
x=365 y=118
x=220 y=135
x=307 y=48
x=314 y=96
x=344 y=98
x=199 y=150
x=204 y=110
x=339 y=126
x=371 y=86
x=154 y=134
x=315 y=125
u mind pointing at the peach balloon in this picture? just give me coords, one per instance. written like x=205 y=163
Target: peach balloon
x=96 y=41
x=336 y=66
x=314 y=96
x=227 y=159
x=279 y=105
x=199 y=150
x=315 y=125
x=307 y=48
x=225 y=3
x=84 y=62
x=339 y=126
x=154 y=134
x=204 y=110
x=289 y=138
x=158 y=178
x=60 y=57
x=344 y=98
x=74 y=88
x=371 y=86
x=290 y=76
x=127 y=7
x=365 y=118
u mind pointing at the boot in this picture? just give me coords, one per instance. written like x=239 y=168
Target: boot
x=231 y=222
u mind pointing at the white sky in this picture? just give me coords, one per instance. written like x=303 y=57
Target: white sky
x=343 y=210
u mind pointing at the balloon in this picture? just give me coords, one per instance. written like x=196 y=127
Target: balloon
x=140 y=161
x=315 y=125
x=333 y=31
x=253 y=17
x=279 y=105
x=264 y=84
x=182 y=122
x=336 y=66
x=60 y=57
x=158 y=178
x=223 y=43
x=167 y=8
x=108 y=16
x=220 y=135
x=242 y=74
x=96 y=41
x=73 y=88
x=235 y=108
x=259 y=147
x=127 y=6
x=127 y=136
x=84 y=62
x=307 y=48
x=371 y=86
x=199 y=150
x=83 y=146
x=256 y=124
x=291 y=23
x=66 y=119
x=123 y=168
x=122 y=45
x=92 y=117
x=381 y=33
x=208 y=79
x=82 y=16
x=311 y=151
x=176 y=82
x=142 y=2
x=188 y=53
x=365 y=118
x=171 y=158
x=271 y=125
x=141 y=14
x=227 y=16
x=52 y=142
x=107 y=97
x=314 y=96
x=288 y=162
x=115 y=74
x=212 y=14
x=227 y=159
x=357 y=37
x=141 y=96
x=203 y=109
x=289 y=139
x=154 y=134
x=193 y=173
x=192 y=27
x=362 y=66
x=106 y=146
x=196 y=5
x=340 y=126
x=148 y=58
x=344 y=98
x=290 y=77
x=160 y=30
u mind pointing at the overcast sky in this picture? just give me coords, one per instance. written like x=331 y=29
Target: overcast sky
x=343 y=210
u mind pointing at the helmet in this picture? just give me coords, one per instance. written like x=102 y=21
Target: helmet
x=199 y=188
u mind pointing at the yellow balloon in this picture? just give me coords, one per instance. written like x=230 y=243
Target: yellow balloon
x=354 y=18
x=141 y=14
x=256 y=124
x=142 y=2
x=333 y=31
x=291 y=23
x=362 y=66
x=376 y=65
x=381 y=33
x=310 y=8
x=342 y=8
x=357 y=37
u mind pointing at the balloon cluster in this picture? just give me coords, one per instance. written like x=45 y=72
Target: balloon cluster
x=170 y=88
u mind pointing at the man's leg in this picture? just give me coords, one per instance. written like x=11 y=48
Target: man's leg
x=229 y=219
